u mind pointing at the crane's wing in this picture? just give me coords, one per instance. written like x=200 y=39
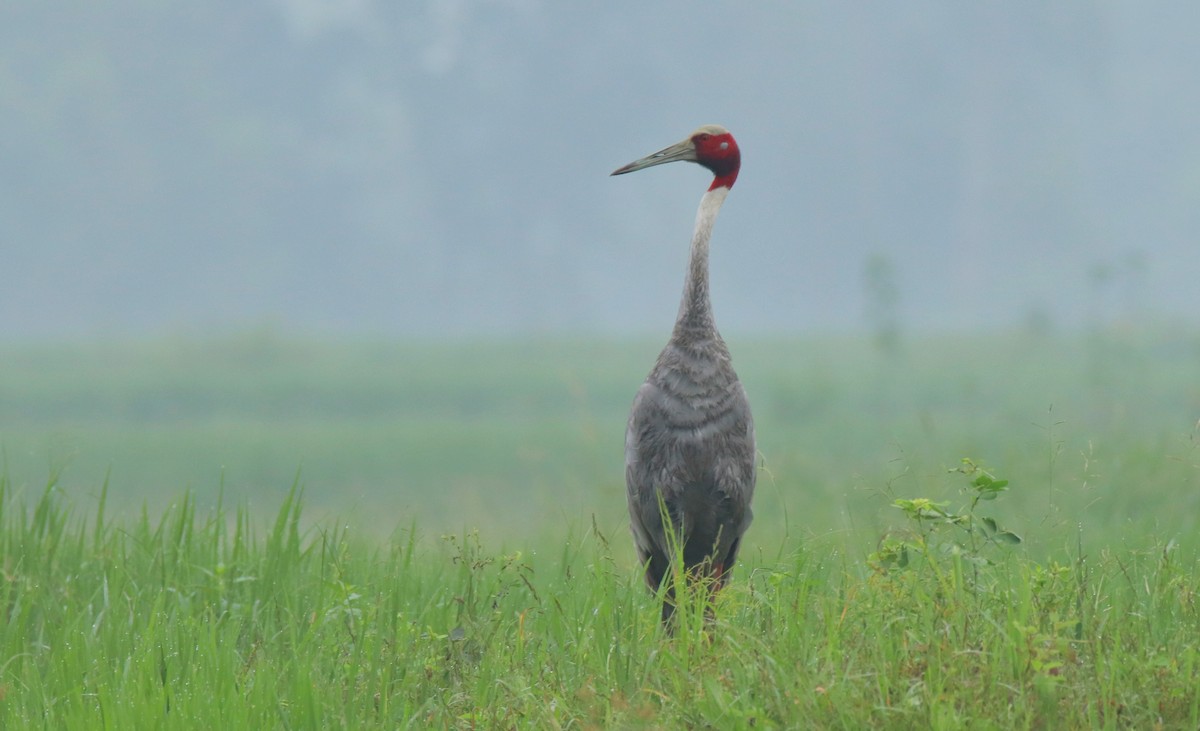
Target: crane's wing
x=696 y=453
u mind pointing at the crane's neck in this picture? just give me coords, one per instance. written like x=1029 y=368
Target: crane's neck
x=695 y=310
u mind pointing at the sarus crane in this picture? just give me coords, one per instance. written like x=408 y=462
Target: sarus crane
x=689 y=443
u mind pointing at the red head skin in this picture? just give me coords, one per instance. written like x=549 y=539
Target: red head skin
x=711 y=146
x=720 y=154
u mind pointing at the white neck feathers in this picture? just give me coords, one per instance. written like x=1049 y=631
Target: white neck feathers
x=695 y=309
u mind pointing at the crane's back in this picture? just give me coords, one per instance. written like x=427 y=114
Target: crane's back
x=690 y=443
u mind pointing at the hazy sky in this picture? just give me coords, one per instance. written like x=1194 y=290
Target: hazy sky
x=442 y=167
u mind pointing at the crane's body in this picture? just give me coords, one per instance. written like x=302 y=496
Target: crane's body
x=689 y=443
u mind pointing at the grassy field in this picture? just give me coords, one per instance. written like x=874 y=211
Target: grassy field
x=257 y=532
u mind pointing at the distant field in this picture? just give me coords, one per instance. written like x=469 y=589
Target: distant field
x=462 y=560
x=524 y=438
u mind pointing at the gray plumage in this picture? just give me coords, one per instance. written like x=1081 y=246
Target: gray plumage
x=690 y=437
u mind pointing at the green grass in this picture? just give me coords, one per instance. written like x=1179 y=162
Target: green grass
x=462 y=559
x=190 y=620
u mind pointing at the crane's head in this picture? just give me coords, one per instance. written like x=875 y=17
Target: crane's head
x=712 y=146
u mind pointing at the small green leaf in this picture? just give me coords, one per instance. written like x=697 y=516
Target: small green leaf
x=989 y=525
x=985 y=482
x=892 y=554
x=922 y=507
x=1008 y=537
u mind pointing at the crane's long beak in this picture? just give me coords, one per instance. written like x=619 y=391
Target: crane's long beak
x=680 y=151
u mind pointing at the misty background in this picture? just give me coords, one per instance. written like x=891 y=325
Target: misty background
x=441 y=168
